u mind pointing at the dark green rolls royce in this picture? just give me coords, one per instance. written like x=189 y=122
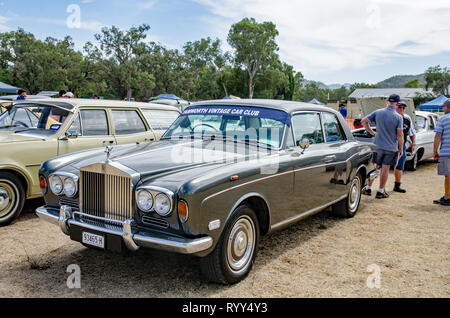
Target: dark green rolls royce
x=224 y=173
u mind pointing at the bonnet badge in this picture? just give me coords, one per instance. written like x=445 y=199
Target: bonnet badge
x=108 y=152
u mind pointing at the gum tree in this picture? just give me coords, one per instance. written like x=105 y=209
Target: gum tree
x=254 y=45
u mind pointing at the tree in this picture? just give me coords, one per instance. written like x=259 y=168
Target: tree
x=254 y=45
x=207 y=53
x=361 y=85
x=124 y=50
x=413 y=84
x=438 y=78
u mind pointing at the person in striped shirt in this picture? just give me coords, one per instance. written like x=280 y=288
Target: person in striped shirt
x=442 y=138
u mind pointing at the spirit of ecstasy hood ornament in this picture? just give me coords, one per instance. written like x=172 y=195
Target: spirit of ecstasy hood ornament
x=108 y=152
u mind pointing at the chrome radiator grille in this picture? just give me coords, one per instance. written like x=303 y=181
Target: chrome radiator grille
x=106 y=194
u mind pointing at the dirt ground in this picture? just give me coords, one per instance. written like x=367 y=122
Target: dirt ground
x=406 y=237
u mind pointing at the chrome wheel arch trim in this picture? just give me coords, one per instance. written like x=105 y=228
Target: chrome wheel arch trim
x=245 y=197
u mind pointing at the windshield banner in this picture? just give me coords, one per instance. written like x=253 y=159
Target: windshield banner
x=256 y=112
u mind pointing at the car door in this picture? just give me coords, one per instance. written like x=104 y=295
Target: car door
x=159 y=120
x=309 y=166
x=429 y=137
x=129 y=127
x=89 y=129
x=338 y=153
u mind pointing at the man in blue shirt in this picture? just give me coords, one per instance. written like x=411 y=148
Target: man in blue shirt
x=343 y=110
x=388 y=139
x=22 y=94
x=442 y=138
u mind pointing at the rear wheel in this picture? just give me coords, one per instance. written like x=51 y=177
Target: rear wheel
x=348 y=207
x=12 y=197
x=234 y=254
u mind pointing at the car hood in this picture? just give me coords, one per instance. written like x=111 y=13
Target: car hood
x=11 y=136
x=169 y=156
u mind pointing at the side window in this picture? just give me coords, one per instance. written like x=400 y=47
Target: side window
x=160 y=119
x=76 y=125
x=94 y=123
x=431 y=123
x=307 y=125
x=333 y=129
x=127 y=122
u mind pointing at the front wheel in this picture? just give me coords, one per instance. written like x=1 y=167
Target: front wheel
x=411 y=165
x=12 y=197
x=234 y=254
x=348 y=207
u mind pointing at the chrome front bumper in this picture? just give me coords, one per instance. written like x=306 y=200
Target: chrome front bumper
x=132 y=237
x=373 y=174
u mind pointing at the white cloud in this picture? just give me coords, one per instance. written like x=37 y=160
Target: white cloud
x=328 y=35
x=3 y=26
x=95 y=26
x=146 y=4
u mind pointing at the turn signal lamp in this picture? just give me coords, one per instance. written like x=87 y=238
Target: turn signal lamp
x=183 y=211
x=43 y=184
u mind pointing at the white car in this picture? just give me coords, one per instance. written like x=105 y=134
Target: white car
x=425 y=123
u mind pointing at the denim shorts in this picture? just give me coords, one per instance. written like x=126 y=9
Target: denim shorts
x=402 y=160
x=384 y=157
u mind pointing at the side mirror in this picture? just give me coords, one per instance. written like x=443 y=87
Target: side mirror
x=304 y=143
x=72 y=134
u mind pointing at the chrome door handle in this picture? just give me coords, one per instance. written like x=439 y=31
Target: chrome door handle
x=329 y=159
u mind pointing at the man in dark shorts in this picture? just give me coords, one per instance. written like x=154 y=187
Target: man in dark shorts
x=442 y=139
x=408 y=130
x=388 y=139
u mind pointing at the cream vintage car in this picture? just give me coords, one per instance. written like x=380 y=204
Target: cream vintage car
x=34 y=131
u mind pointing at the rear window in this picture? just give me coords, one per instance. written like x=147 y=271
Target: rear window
x=160 y=119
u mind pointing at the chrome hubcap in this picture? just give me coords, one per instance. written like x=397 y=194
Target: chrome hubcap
x=4 y=198
x=241 y=244
x=354 y=194
x=8 y=201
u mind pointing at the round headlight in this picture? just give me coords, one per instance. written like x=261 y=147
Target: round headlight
x=70 y=187
x=56 y=185
x=144 y=200
x=162 y=204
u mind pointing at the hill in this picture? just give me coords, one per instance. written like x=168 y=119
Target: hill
x=399 y=81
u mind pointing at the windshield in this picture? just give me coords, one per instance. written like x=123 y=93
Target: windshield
x=421 y=123
x=36 y=117
x=262 y=126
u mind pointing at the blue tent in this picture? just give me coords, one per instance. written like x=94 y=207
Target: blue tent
x=315 y=101
x=434 y=105
x=165 y=96
x=8 y=89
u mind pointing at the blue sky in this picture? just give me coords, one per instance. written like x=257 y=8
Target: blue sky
x=327 y=40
